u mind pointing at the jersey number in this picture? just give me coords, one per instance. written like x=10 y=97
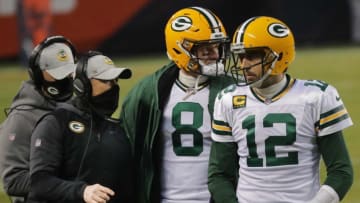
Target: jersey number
x=317 y=83
x=192 y=129
x=272 y=141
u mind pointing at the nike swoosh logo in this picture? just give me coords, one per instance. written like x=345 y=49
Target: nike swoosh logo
x=337 y=98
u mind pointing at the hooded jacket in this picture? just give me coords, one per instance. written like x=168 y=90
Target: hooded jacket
x=27 y=107
x=73 y=147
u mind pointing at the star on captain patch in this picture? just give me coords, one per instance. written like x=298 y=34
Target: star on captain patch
x=239 y=101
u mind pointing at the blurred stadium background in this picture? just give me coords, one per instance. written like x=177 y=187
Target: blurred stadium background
x=327 y=34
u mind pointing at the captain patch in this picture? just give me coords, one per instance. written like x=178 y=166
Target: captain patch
x=239 y=101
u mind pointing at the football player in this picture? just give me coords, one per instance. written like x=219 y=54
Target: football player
x=277 y=125
x=169 y=112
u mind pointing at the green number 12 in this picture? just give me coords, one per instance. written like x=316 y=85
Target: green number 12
x=272 y=141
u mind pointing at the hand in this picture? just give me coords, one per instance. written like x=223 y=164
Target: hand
x=97 y=194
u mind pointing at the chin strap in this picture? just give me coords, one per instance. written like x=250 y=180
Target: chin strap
x=326 y=194
x=258 y=83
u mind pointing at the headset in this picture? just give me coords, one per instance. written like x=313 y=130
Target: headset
x=34 y=69
x=82 y=84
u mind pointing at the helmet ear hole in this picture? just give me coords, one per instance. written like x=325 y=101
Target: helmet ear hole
x=280 y=56
x=177 y=51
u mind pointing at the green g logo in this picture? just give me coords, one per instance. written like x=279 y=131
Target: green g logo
x=52 y=90
x=181 y=23
x=278 y=30
x=76 y=127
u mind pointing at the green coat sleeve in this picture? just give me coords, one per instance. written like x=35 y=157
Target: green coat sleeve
x=135 y=126
x=337 y=161
x=223 y=172
x=129 y=113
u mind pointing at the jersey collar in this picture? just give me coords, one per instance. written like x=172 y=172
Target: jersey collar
x=289 y=83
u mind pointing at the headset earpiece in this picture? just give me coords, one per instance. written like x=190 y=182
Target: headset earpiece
x=34 y=70
x=82 y=84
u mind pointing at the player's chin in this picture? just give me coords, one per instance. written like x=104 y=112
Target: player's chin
x=251 y=79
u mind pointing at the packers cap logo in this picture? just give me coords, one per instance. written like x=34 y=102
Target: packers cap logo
x=239 y=101
x=76 y=127
x=278 y=30
x=62 y=55
x=181 y=23
x=108 y=61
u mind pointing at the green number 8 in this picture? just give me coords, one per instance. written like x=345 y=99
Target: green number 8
x=192 y=128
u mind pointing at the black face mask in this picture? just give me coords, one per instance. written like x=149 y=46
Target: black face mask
x=107 y=102
x=59 y=90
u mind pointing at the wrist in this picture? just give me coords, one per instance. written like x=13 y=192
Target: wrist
x=326 y=194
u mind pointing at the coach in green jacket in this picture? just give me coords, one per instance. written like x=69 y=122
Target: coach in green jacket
x=169 y=112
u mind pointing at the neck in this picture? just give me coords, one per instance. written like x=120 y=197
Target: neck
x=191 y=81
x=273 y=89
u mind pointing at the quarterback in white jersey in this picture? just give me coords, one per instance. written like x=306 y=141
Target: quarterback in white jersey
x=277 y=139
x=281 y=125
x=186 y=120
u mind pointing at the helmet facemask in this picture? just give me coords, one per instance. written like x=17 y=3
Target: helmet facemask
x=268 y=60
x=200 y=65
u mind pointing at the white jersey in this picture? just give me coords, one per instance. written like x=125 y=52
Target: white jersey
x=186 y=143
x=276 y=138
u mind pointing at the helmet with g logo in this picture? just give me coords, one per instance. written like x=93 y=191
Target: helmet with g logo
x=188 y=28
x=270 y=35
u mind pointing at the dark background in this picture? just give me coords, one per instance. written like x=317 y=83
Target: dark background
x=313 y=22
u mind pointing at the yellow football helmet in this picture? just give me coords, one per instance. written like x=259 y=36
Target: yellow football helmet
x=188 y=28
x=266 y=35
